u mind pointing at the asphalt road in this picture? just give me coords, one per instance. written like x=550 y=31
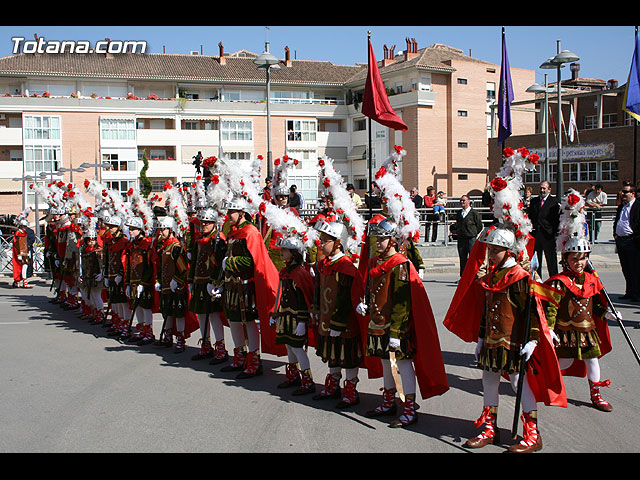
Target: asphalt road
x=69 y=388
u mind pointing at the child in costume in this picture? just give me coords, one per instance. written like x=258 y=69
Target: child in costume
x=114 y=263
x=91 y=284
x=577 y=311
x=20 y=252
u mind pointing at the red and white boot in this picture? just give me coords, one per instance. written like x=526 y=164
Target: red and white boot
x=220 y=353
x=350 y=395
x=408 y=415
x=490 y=434
x=252 y=365
x=531 y=439
x=292 y=375
x=331 y=387
x=596 y=398
x=237 y=364
x=388 y=405
x=306 y=383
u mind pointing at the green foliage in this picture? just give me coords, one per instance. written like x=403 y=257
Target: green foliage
x=145 y=183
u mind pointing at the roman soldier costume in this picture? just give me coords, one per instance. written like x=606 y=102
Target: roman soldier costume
x=20 y=252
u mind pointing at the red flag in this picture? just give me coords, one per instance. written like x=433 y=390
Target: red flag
x=375 y=103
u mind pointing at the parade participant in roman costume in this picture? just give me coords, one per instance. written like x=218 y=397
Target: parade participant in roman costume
x=20 y=251
x=50 y=236
x=91 y=284
x=280 y=193
x=401 y=329
x=504 y=303
x=70 y=254
x=291 y=315
x=114 y=261
x=171 y=273
x=577 y=311
x=205 y=276
x=338 y=290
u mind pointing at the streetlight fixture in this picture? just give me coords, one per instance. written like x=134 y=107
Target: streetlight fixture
x=557 y=62
x=266 y=61
x=70 y=170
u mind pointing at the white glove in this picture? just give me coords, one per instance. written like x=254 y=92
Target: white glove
x=140 y=289
x=312 y=272
x=301 y=329
x=127 y=292
x=106 y=282
x=554 y=337
x=361 y=309
x=217 y=292
x=57 y=263
x=224 y=263
x=24 y=274
x=210 y=289
x=272 y=321
x=421 y=273
x=478 y=348
x=98 y=277
x=25 y=267
x=118 y=279
x=189 y=255
x=158 y=287
x=394 y=343
x=528 y=349
x=612 y=316
x=48 y=254
x=334 y=333
x=173 y=284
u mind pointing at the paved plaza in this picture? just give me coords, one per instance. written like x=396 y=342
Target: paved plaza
x=68 y=387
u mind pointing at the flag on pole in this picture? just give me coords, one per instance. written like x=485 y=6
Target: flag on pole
x=375 y=103
x=505 y=96
x=573 y=126
x=632 y=90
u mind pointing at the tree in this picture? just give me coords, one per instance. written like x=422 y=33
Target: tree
x=145 y=183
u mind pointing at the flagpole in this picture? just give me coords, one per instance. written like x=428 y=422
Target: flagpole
x=370 y=159
x=635 y=139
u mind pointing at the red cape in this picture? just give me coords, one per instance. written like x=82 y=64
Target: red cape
x=265 y=277
x=427 y=361
x=16 y=264
x=592 y=286
x=303 y=279
x=543 y=371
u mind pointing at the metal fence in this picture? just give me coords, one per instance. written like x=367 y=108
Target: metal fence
x=6 y=253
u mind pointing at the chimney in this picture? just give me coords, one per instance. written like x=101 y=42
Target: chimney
x=412 y=49
x=287 y=57
x=107 y=54
x=222 y=59
x=389 y=56
x=575 y=70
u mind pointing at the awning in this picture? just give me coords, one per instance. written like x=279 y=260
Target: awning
x=8 y=185
x=358 y=153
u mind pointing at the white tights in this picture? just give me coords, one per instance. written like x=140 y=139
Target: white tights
x=297 y=354
x=406 y=373
x=215 y=323
x=251 y=338
x=491 y=383
x=592 y=364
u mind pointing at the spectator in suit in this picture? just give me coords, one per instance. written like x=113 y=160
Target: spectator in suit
x=468 y=226
x=417 y=199
x=626 y=232
x=595 y=200
x=544 y=212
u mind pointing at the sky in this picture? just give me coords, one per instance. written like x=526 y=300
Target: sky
x=605 y=52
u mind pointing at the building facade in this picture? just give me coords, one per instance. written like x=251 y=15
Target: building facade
x=64 y=110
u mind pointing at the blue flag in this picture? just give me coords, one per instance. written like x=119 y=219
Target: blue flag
x=632 y=92
x=505 y=94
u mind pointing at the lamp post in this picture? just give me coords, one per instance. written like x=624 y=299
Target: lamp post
x=30 y=178
x=557 y=62
x=71 y=170
x=536 y=88
x=266 y=61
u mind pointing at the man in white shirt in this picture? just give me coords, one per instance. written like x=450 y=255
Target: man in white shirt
x=626 y=231
x=595 y=200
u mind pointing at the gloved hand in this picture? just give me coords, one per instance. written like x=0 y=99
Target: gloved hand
x=118 y=279
x=189 y=255
x=98 y=277
x=528 y=349
x=612 y=316
x=272 y=321
x=554 y=337
x=217 y=292
x=394 y=343
x=57 y=263
x=361 y=309
x=301 y=329
x=158 y=287
x=48 y=254
x=421 y=273
x=210 y=289
x=224 y=263
x=478 y=348
x=127 y=291
x=334 y=333
x=106 y=282
x=173 y=285
x=140 y=289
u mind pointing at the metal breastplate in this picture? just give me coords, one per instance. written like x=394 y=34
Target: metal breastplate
x=500 y=316
x=380 y=308
x=137 y=264
x=205 y=262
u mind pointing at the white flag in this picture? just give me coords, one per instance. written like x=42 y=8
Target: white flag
x=573 y=127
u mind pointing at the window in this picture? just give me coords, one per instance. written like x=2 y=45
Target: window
x=191 y=125
x=463 y=145
x=41 y=159
x=121 y=186
x=41 y=127
x=491 y=91
x=117 y=129
x=463 y=176
x=588 y=171
x=359 y=125
x=237 y=130
x=117 y=164
x=463 y=113
x=570 y=172
x=609 y=171
x=301 y=130
x=462 y=81
x=533 y=176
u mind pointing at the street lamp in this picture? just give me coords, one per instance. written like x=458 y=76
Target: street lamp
x=71 y=170
x=268 y=62
x=24 y=179
x=557 y=62
x=95 y=166
x=536 y=88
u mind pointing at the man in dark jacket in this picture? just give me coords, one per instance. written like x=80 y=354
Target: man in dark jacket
x=626 y=232
x=468 y=226
x=544 y=212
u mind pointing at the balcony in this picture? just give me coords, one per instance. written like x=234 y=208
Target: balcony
x=10 y=136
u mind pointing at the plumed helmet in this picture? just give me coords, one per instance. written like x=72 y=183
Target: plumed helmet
x=135 y=222
x=282 y=190
x=576 y=244
x=208 y=215
x=500 y=236
x=166 y=222
x=292 y=243
x=237 y=203
x=385 y=228
x=113 y=220
x=337 y=230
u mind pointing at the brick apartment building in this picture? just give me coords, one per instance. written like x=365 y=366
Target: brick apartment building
x=63 y=110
